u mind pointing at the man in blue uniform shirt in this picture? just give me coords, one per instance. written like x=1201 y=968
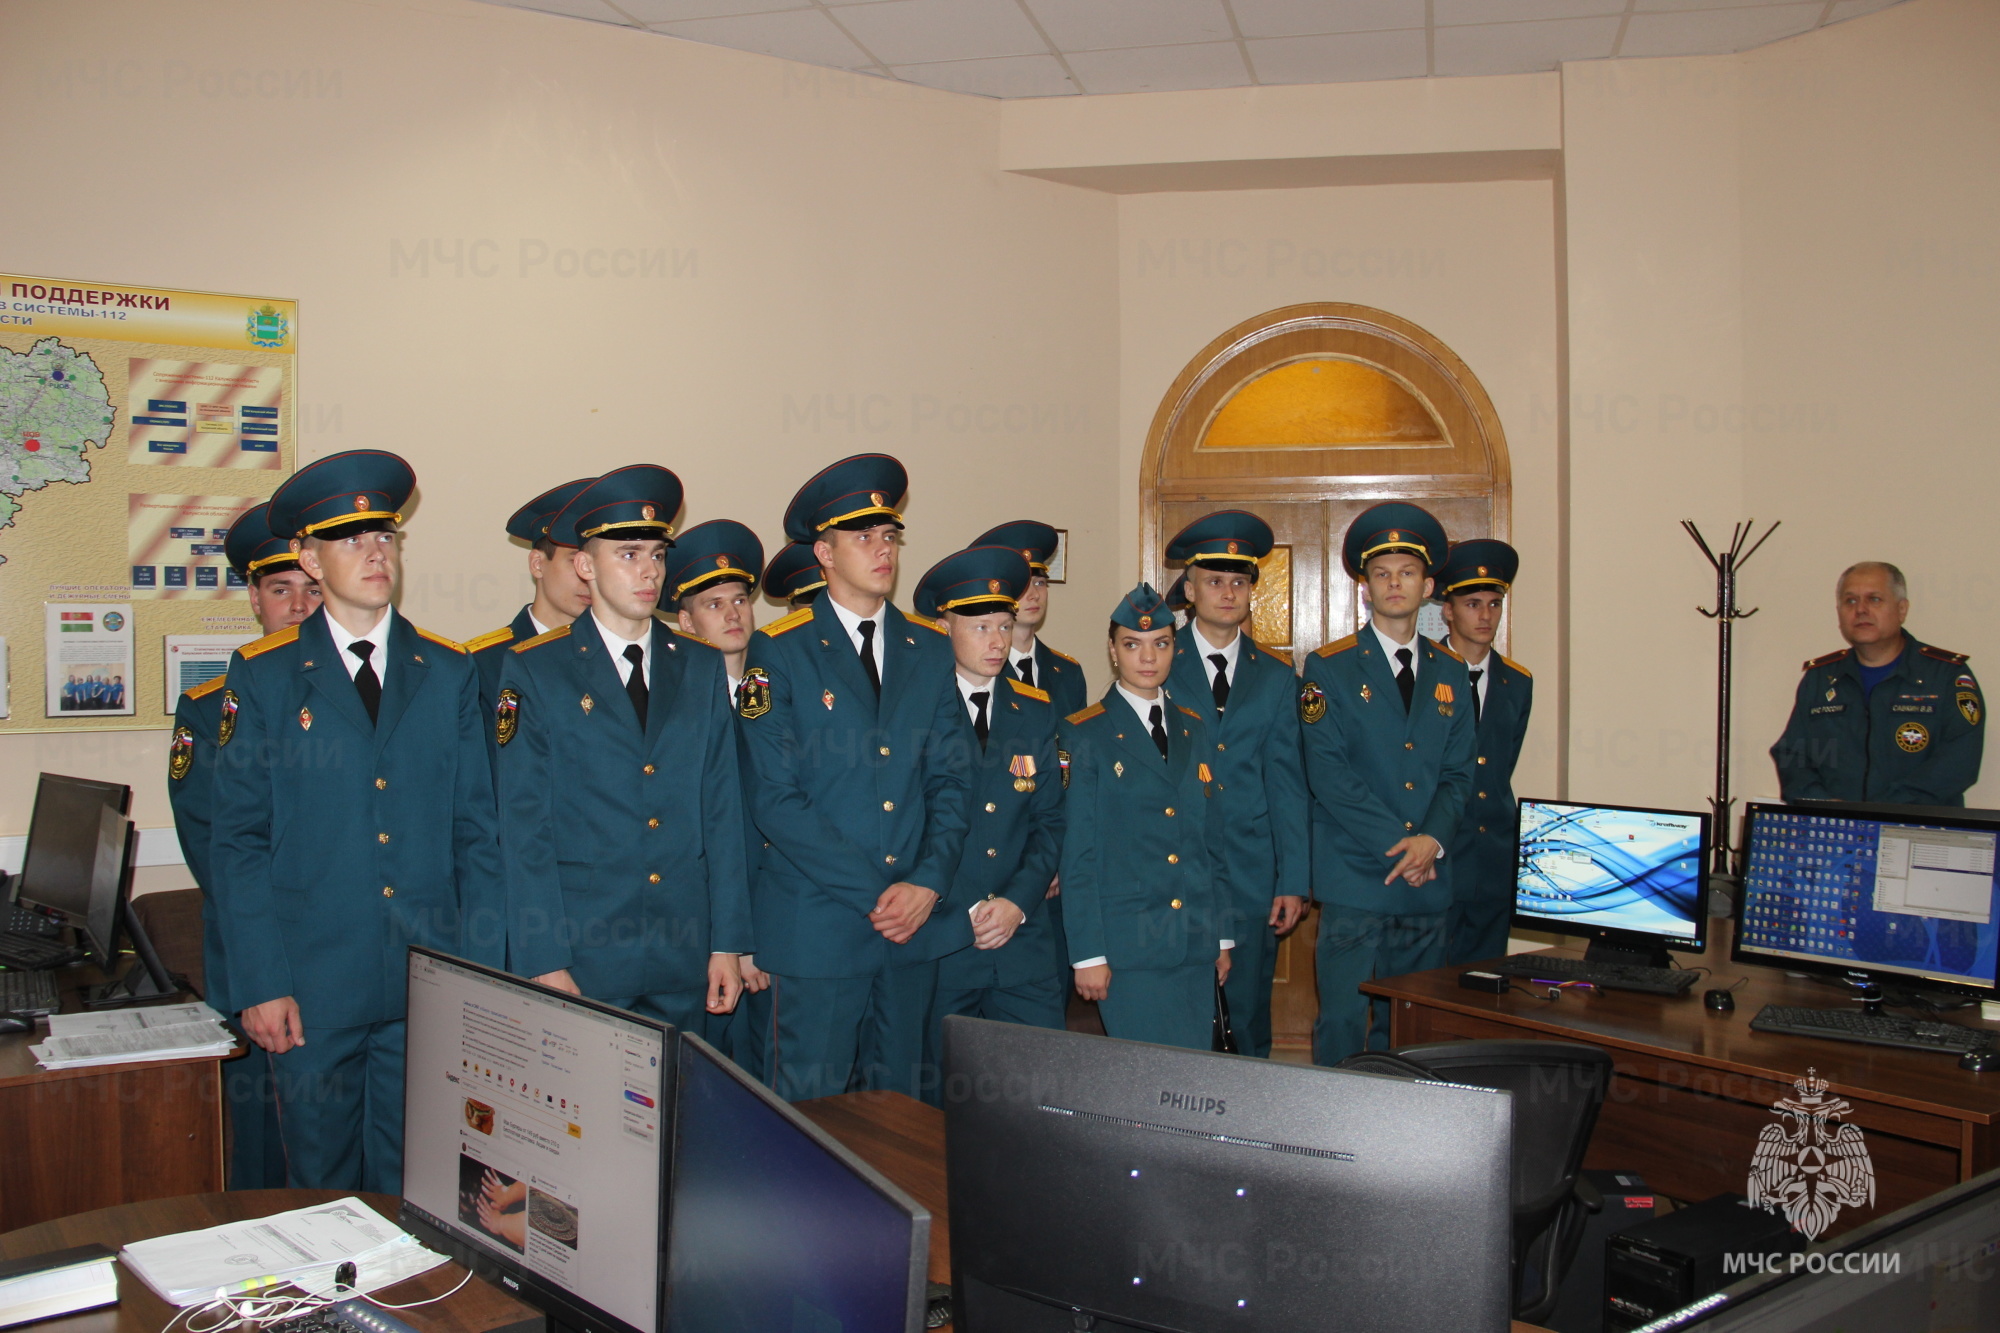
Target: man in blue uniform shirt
x=560 y=593
x=1389 y=758
x=1887 y=718
x=281 y=595
x=353 y=817
x=712 y=585
x=848 y=710
x=621 y=800
x=1147 y=938
x=1472 y=588
x=1247 y=696
x=997 y=957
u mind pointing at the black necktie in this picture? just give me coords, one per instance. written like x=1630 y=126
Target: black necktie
x=979 y=726
x=1221 y=682
x=1025 y=669
x=635 y=684
x=1476 y=673
x=1159 y=732
x=1406 y=679
x=868 y=656
x=366 y=683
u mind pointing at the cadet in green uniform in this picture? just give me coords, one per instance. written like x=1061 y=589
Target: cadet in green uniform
x=1029 y=659
x=281 y=595
x=1247 y=696
x=560 y=595
x=1888 y=718
x=353 y=818
x=712 y=586
x=621 y=798
x=997 y=955
x=1472 y=587
x=848 y=710
x=794 y=575
x=1142 y=911
x=1389 y=758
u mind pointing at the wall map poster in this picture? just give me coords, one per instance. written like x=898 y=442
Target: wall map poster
x=136 y=423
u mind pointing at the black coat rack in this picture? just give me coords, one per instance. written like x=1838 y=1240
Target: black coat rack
x=1725 y=615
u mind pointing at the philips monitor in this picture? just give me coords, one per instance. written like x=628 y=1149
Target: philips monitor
x=1625 y=877
x=1149 y=1187
x=1873 y=893
x=1928 y=1266
x=535 y=1135
x=62 y=858
x=773 y=1224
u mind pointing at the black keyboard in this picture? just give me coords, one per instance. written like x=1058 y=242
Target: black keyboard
x=31 y=993
x=1611 y=976
x=33 y=951
x=27 y=921
x=355 y=1316
x=1913 y=1034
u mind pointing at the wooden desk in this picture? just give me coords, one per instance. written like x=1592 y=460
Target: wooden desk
x=473 y=1310
x=79 y=1139
x=1692 y=1087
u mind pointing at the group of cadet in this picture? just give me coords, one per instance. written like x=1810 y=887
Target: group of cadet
x=811 y=841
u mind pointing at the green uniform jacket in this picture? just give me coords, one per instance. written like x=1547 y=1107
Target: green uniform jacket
x=1379 y=774
x=1480 y=860
x=191 y=791
x=1916 y=740
x=1258 y=824
x=1137 y=887
x=338 y=842
x=625 y=848
x=489 y=652
x=1058 y=675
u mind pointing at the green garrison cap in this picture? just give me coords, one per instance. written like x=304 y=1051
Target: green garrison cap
x=361 y=490
x=864 y=491
x=1482 y=562
x=635 y=503
x=252 y=548
x=1143 y=609
x=974 y=582
x=1393 y=525
x=532 y=521
x=713 y=552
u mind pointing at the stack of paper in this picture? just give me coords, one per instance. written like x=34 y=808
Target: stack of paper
x=54 y=1284
x=303 y=1247
x=126 y=1036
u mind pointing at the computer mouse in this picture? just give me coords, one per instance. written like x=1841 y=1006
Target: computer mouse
x=1720 y=1000
x=16 y=1023
x=1980 y=1062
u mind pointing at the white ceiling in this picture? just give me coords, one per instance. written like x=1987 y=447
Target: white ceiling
x=1054 y=48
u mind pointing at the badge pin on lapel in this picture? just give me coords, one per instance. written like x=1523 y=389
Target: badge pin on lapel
x=827 y=698
x=1119 y=768
x=587 y=703
x=305 y=719
x=1366 y=694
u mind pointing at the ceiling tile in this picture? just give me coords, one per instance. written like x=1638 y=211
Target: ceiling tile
x=1523 y=48
x=799 y=34
x=1008 y=76
x=1159 y=69
x=908 y=32
x=1340 y=59
x=579 y=9
x=1714 y=31
x=1099 y=25
x=1854 y=9
x=1448 y=13
x=1290 y=18
x=674 y=11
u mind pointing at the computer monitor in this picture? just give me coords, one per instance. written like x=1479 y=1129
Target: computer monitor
x=775 y=1225
x=1626 y=877
x=64 y=840
x=1931 y=1265
x=1164 y=1189
x=1874 y=893
x=535 y=1135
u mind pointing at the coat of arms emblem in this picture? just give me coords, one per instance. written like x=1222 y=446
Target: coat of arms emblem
x=1810 y=1163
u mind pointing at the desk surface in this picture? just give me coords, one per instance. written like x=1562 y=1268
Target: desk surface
x=17 y=1062
x=1684 y=1027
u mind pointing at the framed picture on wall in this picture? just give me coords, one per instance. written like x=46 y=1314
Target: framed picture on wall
x=1059 y=562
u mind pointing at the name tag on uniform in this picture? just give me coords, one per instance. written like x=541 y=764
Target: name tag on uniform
x=1829 y=708
x=1911 y=708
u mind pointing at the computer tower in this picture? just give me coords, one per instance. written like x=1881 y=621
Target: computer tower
x=1580 y=1302
x=1674 y=1260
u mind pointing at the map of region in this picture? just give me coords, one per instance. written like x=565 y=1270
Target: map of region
x=53 y=407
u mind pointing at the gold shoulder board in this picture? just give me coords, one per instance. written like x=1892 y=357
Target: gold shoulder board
x=490 y=639
x=1518 y=667
x=1448 y=651
x=548 y=636
x=284 y=636
x=1338 y=646
x=439 y=639
x=1278 y=653
x=926 y=622
x=1029 y=690
x=207 y=687
x=786 y=624
x=1064 y=656
x=1189 y=711
x=1084 y=715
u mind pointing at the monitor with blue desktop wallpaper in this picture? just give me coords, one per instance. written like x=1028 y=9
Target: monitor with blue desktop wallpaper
x=1889 y=893
x=1628 y=878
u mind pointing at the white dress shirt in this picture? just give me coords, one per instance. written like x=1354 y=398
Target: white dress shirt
x=1028 y=657
x=1391 y=647
x=852 y=624
x=968 y=688
x=1484 y=666
x=540 y=628
x=379 y=636
x=1230 y=656
x=614 y=643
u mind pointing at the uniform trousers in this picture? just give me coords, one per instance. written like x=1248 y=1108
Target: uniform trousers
x=256 y=1153
x=1476 y=929
x=746 y=1034
x=686 y=1010
x=340 y=1108
x=831 y=1035
x=1357 y=946
x=1035 y=1004
x=1172 y=1006
x=1252 y=965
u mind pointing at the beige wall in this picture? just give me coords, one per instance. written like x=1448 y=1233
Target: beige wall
x=844 y=270
x=1472 y=263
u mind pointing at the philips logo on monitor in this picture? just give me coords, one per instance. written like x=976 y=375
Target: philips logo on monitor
x=1190 y=1101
